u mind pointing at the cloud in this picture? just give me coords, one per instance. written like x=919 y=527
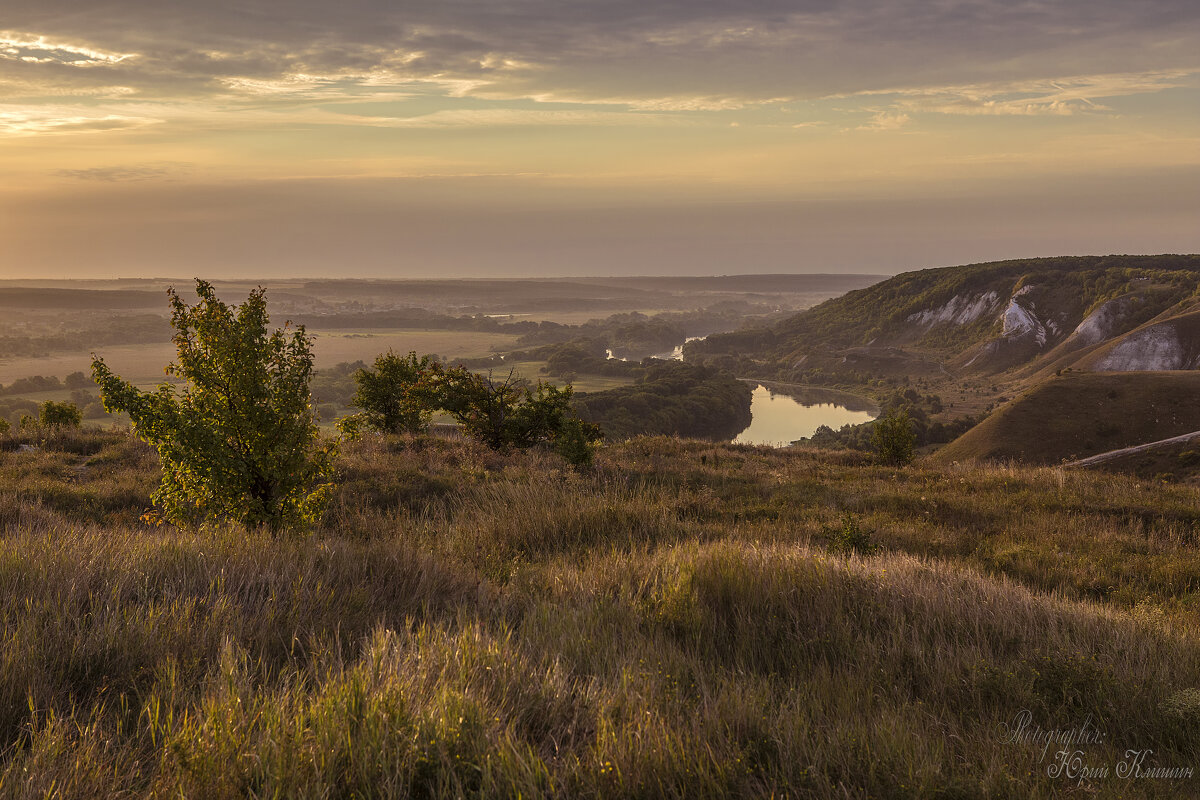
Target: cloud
x=676 y=54
x=37 y=49
x=1060 y=97
x=886 y=121
x=124 y=174
x=41 y=121
x=506 y=117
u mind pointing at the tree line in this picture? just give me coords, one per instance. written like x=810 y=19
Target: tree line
x=672 y=398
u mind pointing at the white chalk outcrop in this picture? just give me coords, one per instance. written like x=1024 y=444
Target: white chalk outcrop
x=1154 y=348
x=1020 y=322
x=961 y=310
x=1109 y=320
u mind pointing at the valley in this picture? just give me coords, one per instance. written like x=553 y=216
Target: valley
x=51 y=328
x=998 y=339
x=679 y=617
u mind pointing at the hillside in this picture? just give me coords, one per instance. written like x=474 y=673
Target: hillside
x=1080 y=414
x=689 y=620
x=1172 y=343
x=978 y=320
x=975 y=336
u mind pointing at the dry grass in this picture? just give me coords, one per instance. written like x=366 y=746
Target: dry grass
x=670 y=625
x=1080 y=414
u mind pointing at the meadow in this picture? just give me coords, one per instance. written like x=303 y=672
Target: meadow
x=686 y=620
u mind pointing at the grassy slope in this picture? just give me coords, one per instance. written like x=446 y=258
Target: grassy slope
x=1079 y=414
x=672 y=625
x=1168 y=462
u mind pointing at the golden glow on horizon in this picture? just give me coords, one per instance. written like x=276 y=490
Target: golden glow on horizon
x=704 y=106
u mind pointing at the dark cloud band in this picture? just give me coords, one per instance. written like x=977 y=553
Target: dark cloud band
x=719 y=51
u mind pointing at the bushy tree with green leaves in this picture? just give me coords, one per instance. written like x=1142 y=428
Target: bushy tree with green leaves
x=508 y=413
x=576 y=440
x=894 y=439
x=60 y=415
x=401 y=393
x=239 y=441
x=398 y=395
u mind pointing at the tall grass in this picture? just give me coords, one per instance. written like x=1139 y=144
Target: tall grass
x=677 y=623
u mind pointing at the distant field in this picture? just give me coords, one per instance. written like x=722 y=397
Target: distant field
x=141 y=363
x=531 y=370
x=577 y=317
x=335 y=347
x=144 y=363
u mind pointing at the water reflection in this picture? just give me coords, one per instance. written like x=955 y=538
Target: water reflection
x=779 y=419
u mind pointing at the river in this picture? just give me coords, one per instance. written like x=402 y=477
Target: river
x=782 y=413
x=779 y=418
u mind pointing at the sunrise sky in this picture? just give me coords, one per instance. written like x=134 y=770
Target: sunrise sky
x=588 y=137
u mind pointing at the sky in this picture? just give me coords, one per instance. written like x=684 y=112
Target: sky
x=460 y=138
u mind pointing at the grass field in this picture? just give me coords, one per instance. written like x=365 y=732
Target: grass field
x=688 y=620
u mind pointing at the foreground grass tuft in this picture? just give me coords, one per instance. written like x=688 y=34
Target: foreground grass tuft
x=687 y=620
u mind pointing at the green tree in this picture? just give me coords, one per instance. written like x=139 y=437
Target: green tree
x=399 y=394
x=508 y=413
x=76 y=380
x=239 y=441
x=60 y=415
x=576 y=441
x=893 y=438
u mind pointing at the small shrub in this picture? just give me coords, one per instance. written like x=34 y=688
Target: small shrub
x=351 y=427
x=240 y=441
x=1188 y=458
x=893 y=438
x=60 y=415
x=509 y=414
x=576 y=442
x=397 y=396
x=850 y=537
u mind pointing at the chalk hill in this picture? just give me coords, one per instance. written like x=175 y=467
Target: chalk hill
x=1101 y=352
x=986 y=319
